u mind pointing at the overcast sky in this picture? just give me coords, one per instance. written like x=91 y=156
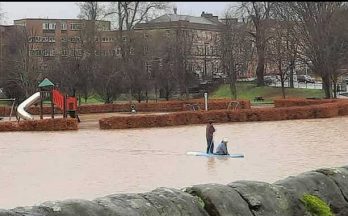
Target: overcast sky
x=19 y=10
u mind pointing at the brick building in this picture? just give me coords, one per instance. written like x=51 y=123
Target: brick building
x=53 y=38
x=49 y=39
x=205 y=30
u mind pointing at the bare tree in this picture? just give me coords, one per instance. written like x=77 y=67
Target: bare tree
x=235 y=50
x=162 y=49
x=322 y=40
x=91 y=10
x=128 y=14
x=22 y=64
x=259 y=14
x=183 y=60
x=283 y=20
x=131 y=13
x=109 y=79
x=282 y=51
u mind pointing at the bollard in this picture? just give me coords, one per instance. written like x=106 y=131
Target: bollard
x=206 y=101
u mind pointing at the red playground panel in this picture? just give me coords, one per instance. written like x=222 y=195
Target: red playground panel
x=58 y=99
x=72 y=103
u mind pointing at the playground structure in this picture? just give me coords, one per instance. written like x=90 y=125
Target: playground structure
x=67 y=104
x=12 y=106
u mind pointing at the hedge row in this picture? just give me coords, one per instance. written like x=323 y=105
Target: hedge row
x=325 y=110
x=301 y=102
x=165 y=106
x=40 y=125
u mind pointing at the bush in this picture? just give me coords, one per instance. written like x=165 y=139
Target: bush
x=316 y=206
x=324 y=110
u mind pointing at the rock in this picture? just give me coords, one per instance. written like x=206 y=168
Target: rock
x=318 y=184
x=127 y=205
x=173 y=202
x=266 y=199
x=220 y=200
x=64 y=208
x=8 y=213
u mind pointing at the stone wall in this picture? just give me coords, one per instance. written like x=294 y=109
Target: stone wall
x=241 y=198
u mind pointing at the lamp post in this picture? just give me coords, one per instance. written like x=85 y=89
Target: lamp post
x=205 y=59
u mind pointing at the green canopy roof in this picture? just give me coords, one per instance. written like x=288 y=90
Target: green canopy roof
x=46 y=83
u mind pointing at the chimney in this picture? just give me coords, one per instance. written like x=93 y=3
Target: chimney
x=175 y=10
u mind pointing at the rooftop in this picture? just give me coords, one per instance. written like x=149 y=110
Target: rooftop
x=205 y=18
x=55 y=19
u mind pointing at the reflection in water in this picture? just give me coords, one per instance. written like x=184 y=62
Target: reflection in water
x=41 y=166
x=211 y=165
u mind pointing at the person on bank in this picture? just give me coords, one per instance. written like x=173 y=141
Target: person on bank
x=210 y=135
x=222 y=147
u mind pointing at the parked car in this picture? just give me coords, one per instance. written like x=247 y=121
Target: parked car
x=268 y=80
x=305 y=79
x=219 y=75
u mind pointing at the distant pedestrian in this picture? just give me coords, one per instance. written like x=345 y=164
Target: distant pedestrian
x=210 y=136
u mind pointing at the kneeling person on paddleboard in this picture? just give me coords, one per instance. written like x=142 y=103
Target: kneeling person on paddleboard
x=222 y=147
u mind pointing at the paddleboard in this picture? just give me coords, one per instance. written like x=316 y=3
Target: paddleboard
x=215 y=155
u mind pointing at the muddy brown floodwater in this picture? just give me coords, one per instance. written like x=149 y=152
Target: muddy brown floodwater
x=90 y=163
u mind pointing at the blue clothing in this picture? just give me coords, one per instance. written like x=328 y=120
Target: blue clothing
x=222 y=149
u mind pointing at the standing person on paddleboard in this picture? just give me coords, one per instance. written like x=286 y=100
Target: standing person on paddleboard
x=210 y=135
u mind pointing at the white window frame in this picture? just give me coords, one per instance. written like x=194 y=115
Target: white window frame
x=74 y=25
x=64 y=26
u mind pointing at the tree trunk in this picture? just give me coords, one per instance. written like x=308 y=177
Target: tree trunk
x=292 y=68
x=327 y=86
x=233 y=90
x=146 y=96
x=156 y=91
x=187 y=93
x=283 y=88
x=260 y=67
x=335 y=89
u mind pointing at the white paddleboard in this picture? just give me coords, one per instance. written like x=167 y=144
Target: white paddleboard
x=215 y=155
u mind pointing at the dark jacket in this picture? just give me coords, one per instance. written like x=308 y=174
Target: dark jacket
x=210 y=131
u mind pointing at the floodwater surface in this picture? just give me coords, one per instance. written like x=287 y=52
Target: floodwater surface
x=90 y=163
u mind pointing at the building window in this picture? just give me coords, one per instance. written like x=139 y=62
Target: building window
x=64 y=52
x=146 y=49
x=106 y=39
x=131 y=51
x=148 y=69
x=64 y=39
x=75 y=39
x=75 y=26
x=44 y=39
x=49 y=26
x=51 y=39
x=118 y=51
x=64 y=26
x=45 y=52
x=35 y=52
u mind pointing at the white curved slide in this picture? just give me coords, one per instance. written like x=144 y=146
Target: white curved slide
x=27 y=103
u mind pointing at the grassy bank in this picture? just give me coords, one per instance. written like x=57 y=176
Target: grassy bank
x=248 y=91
